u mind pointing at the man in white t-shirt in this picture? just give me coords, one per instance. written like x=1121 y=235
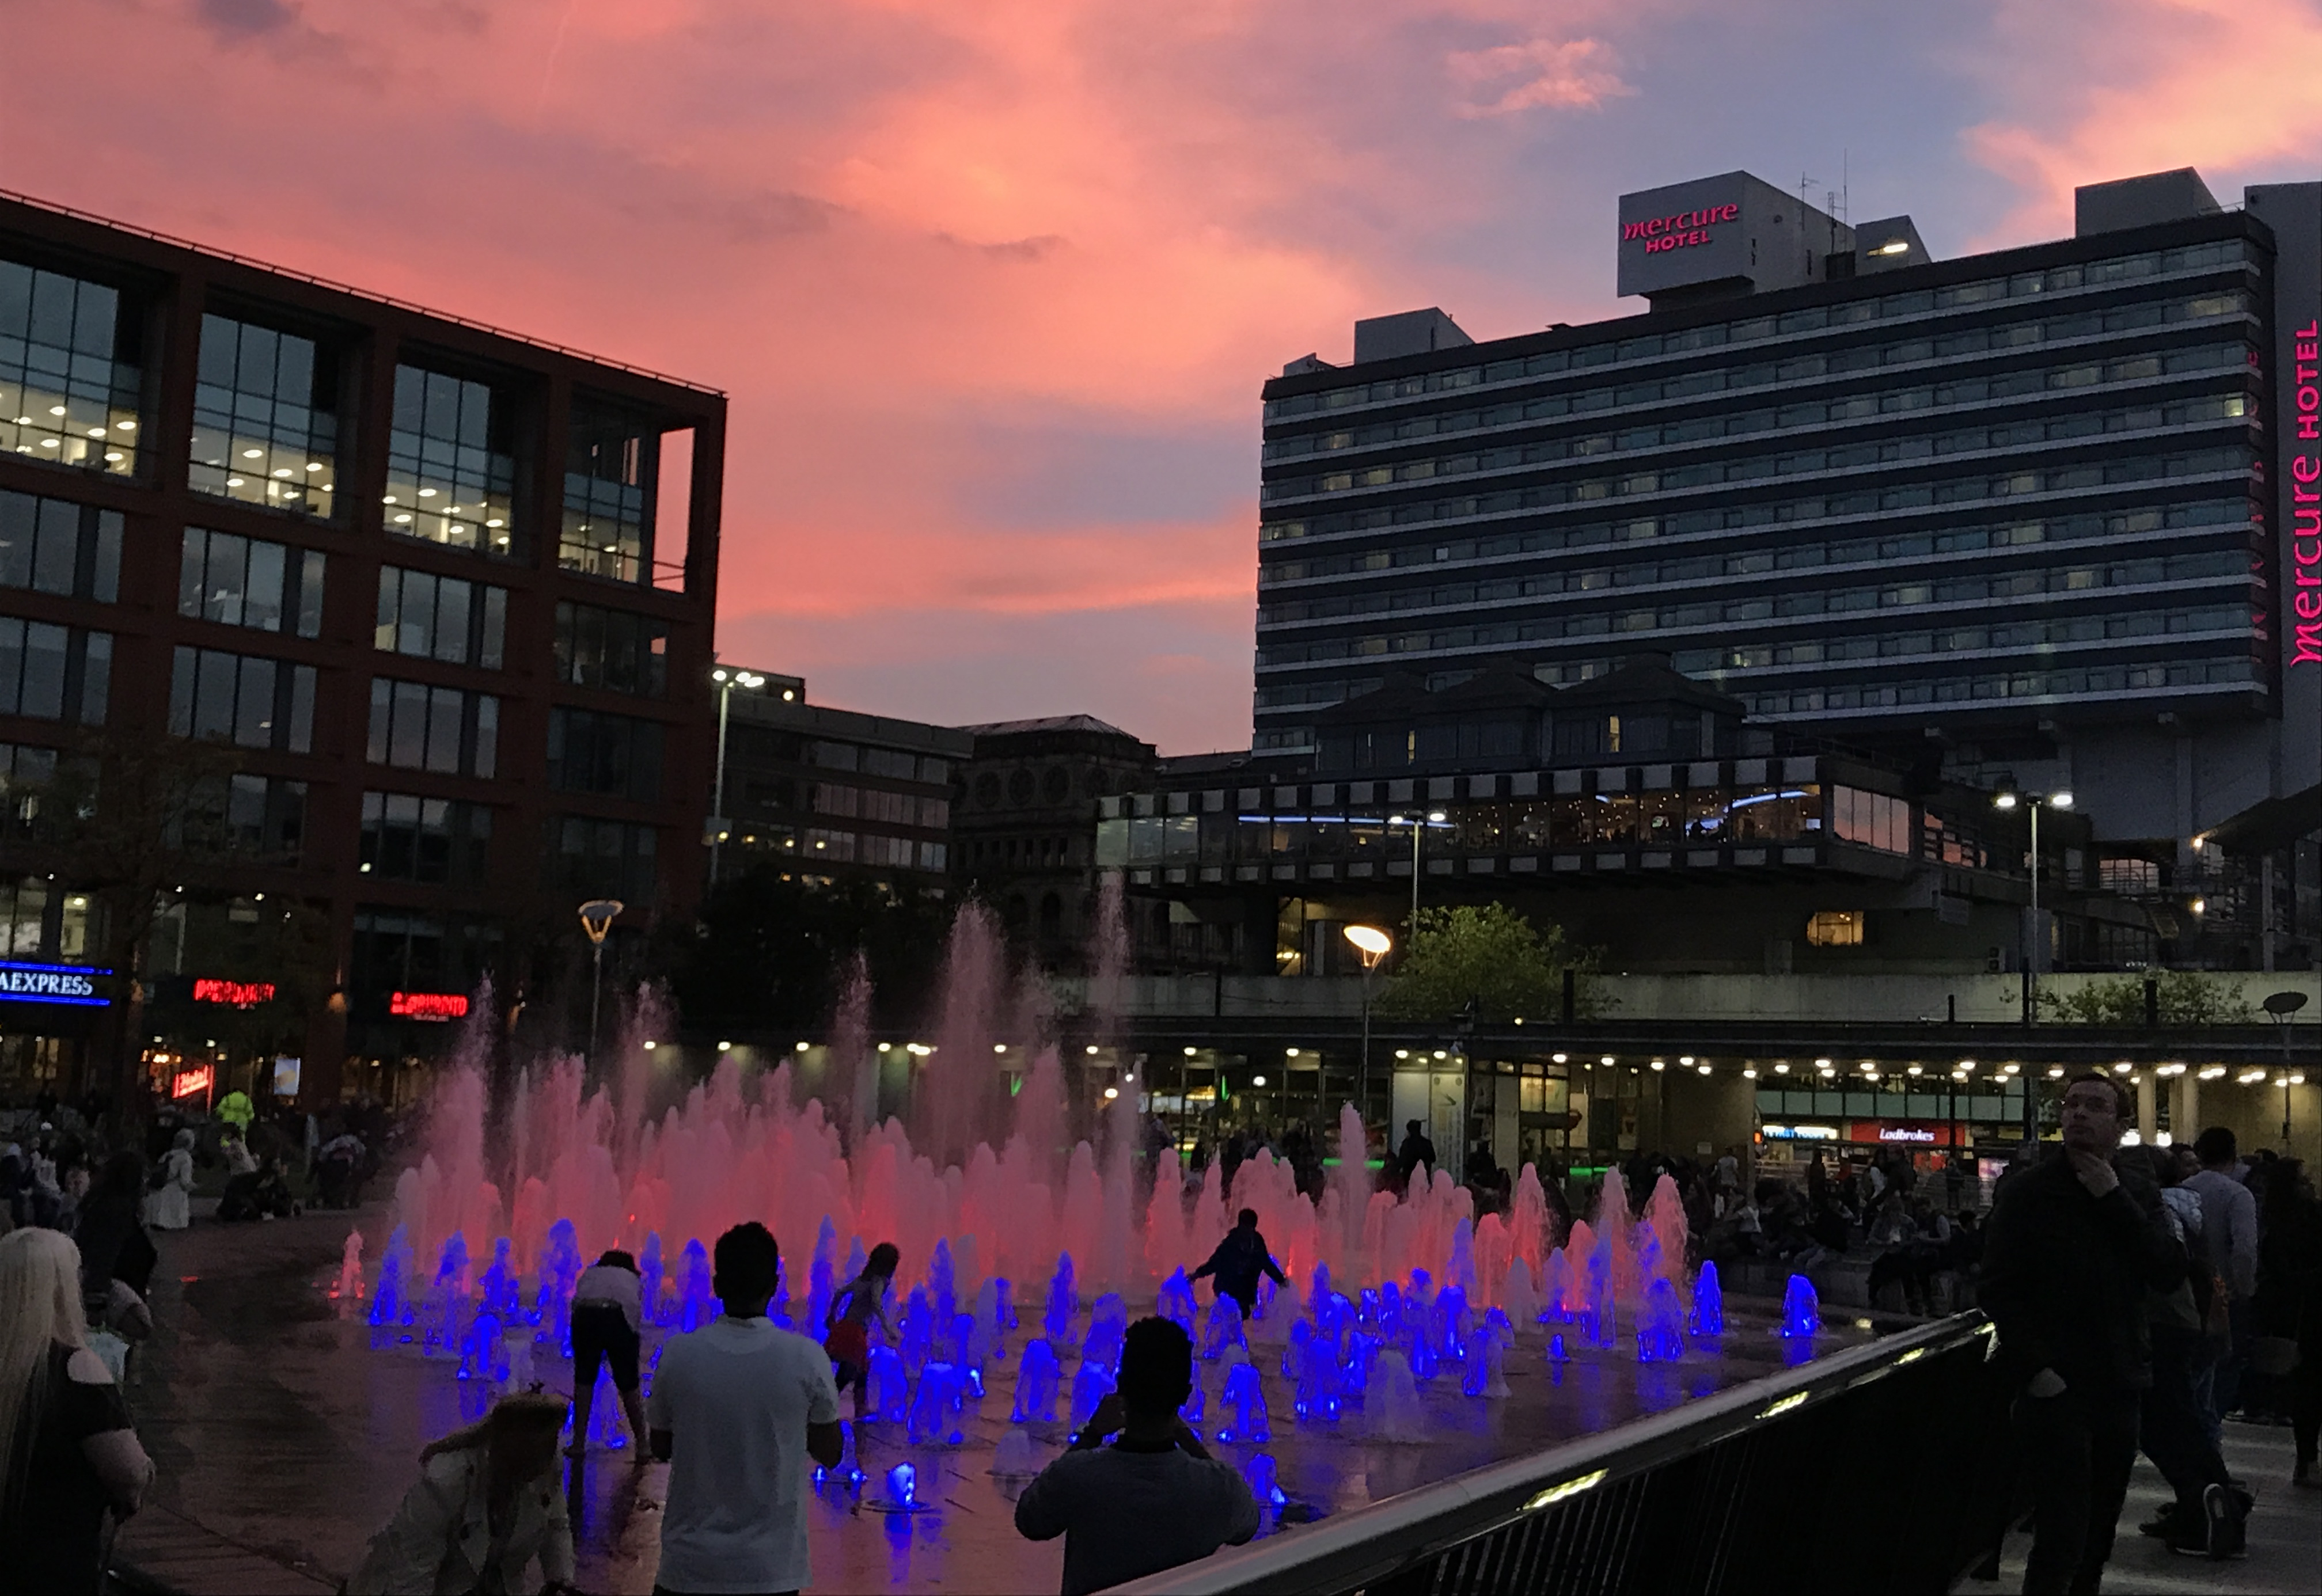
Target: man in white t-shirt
x=738 y=1408
x=1153 y=1498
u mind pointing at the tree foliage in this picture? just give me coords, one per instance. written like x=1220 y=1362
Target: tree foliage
x=773 y=954
x=1495 y=958
x=2185 y=997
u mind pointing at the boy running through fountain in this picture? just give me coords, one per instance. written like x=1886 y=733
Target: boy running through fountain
x=1153 y=1500
x=848 y=1322
x=1237 y=1263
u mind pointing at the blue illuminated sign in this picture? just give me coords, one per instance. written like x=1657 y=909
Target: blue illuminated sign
x=75 y=984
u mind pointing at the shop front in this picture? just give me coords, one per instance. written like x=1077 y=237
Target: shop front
x=50 y=1015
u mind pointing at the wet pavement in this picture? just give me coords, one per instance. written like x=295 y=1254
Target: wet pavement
x=278 y=1432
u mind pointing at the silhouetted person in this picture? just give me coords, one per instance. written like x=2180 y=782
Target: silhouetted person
x=1153 y=1500
x=1238 y=1261
x=2071 y=1254
x=1416 y=1150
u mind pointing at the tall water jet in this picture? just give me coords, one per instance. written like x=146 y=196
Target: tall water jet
x=1392 y=1411
x=1660 y=1325
x=1708 y=1303
x=960 y=1088
x=854 y=1065
x=1612 y=1232
x=1037 y=1375
x=348 y=1292
x=1245 y=1393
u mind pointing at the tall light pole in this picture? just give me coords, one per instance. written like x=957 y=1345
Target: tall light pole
x=2034 y=938
x=726 y=681
x=1418 y=824
x=597 y=917
x=1373 y=944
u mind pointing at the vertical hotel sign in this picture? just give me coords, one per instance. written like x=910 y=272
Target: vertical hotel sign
x=2303 y=445
x=2292 y=212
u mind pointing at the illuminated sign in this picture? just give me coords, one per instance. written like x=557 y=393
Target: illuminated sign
x=2305 y=495
x=191 y=1083
x=1904 y=1132
x=286 y=1076
x=234 y=994
x=52 y=984
x=436 y=1005
x=1802 y=1133
x=1682 y=231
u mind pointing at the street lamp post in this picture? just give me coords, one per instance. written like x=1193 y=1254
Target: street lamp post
x=1373 y=944
x=726 y=681
x=597 y=917
x=2033 y=937
x=1419 y=823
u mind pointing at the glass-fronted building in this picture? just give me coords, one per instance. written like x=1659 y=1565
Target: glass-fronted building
x=345 y=650
x=2036 y=504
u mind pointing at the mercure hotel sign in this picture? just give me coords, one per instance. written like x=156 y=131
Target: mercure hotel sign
x=2305 y=448
x=1682 y=231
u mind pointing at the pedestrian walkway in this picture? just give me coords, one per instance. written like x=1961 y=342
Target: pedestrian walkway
x=160 y=1553
x=2285 y=1533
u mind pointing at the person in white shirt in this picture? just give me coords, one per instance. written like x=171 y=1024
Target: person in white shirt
x=487 y=1503
x=608 y=1321
x=1153 y=1498
x=738 y=1408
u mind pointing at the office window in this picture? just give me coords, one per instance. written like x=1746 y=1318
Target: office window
x=27 y=774
x=830 y=846
x=609 y=484
x=611 y=650
x=52 y=545
x=244 y=581
x=397 y=951
x=69 y=378
x=451 y=464
x=266 y=423
x=242 y=699
x=57 y=673
x=593 y=858
x=1835 y=928
x=256 y=817
x=614 y=755
x=443 y=618
x=417 y=727
x=428 y=840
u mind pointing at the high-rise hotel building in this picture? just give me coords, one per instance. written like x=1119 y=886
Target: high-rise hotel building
x=354 y=644
x=2052 y=507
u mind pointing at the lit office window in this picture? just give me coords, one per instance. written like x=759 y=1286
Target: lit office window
x=417 y=727
x=442 y=618
x=1835 y=929
x=265 y=418
x=243 y=700
x=68 y=371
x=451 y=464
x=52 y=545
x=607 y=530
x=243 y=582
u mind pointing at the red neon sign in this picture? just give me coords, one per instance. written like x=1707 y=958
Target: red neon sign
x=1682 y=231
x=435 y=1006
x=190 y=1083
x=2305 y=496
x=234 y=994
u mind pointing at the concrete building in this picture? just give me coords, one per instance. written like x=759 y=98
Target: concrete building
x=2047 y=511
x=376 y=633
x=832 y=794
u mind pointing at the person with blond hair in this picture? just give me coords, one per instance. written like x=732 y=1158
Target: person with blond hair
x=68 y=1452
x=486 y=1502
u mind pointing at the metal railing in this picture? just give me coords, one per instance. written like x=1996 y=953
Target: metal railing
x=1787 y=1483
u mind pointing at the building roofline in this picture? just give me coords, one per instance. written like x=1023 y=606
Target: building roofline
x=2230 y=222
x=371 y=295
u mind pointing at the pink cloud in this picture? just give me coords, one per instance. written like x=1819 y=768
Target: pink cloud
x=1559 y=74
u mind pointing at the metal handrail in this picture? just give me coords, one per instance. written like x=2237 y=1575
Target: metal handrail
x=215 y=253
x=1356 y=1549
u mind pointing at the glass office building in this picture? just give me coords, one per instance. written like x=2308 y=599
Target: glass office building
x=2020 y=500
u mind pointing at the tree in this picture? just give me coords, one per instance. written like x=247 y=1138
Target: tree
x=1494 y=958
x=770 y=953
x=2184 y=998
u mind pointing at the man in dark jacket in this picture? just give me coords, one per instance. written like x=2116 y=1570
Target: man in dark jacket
x=1416 y=1150
x=1240 y=1260
x=2071 y=1252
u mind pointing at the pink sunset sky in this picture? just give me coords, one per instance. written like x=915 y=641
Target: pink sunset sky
x=993 y=284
